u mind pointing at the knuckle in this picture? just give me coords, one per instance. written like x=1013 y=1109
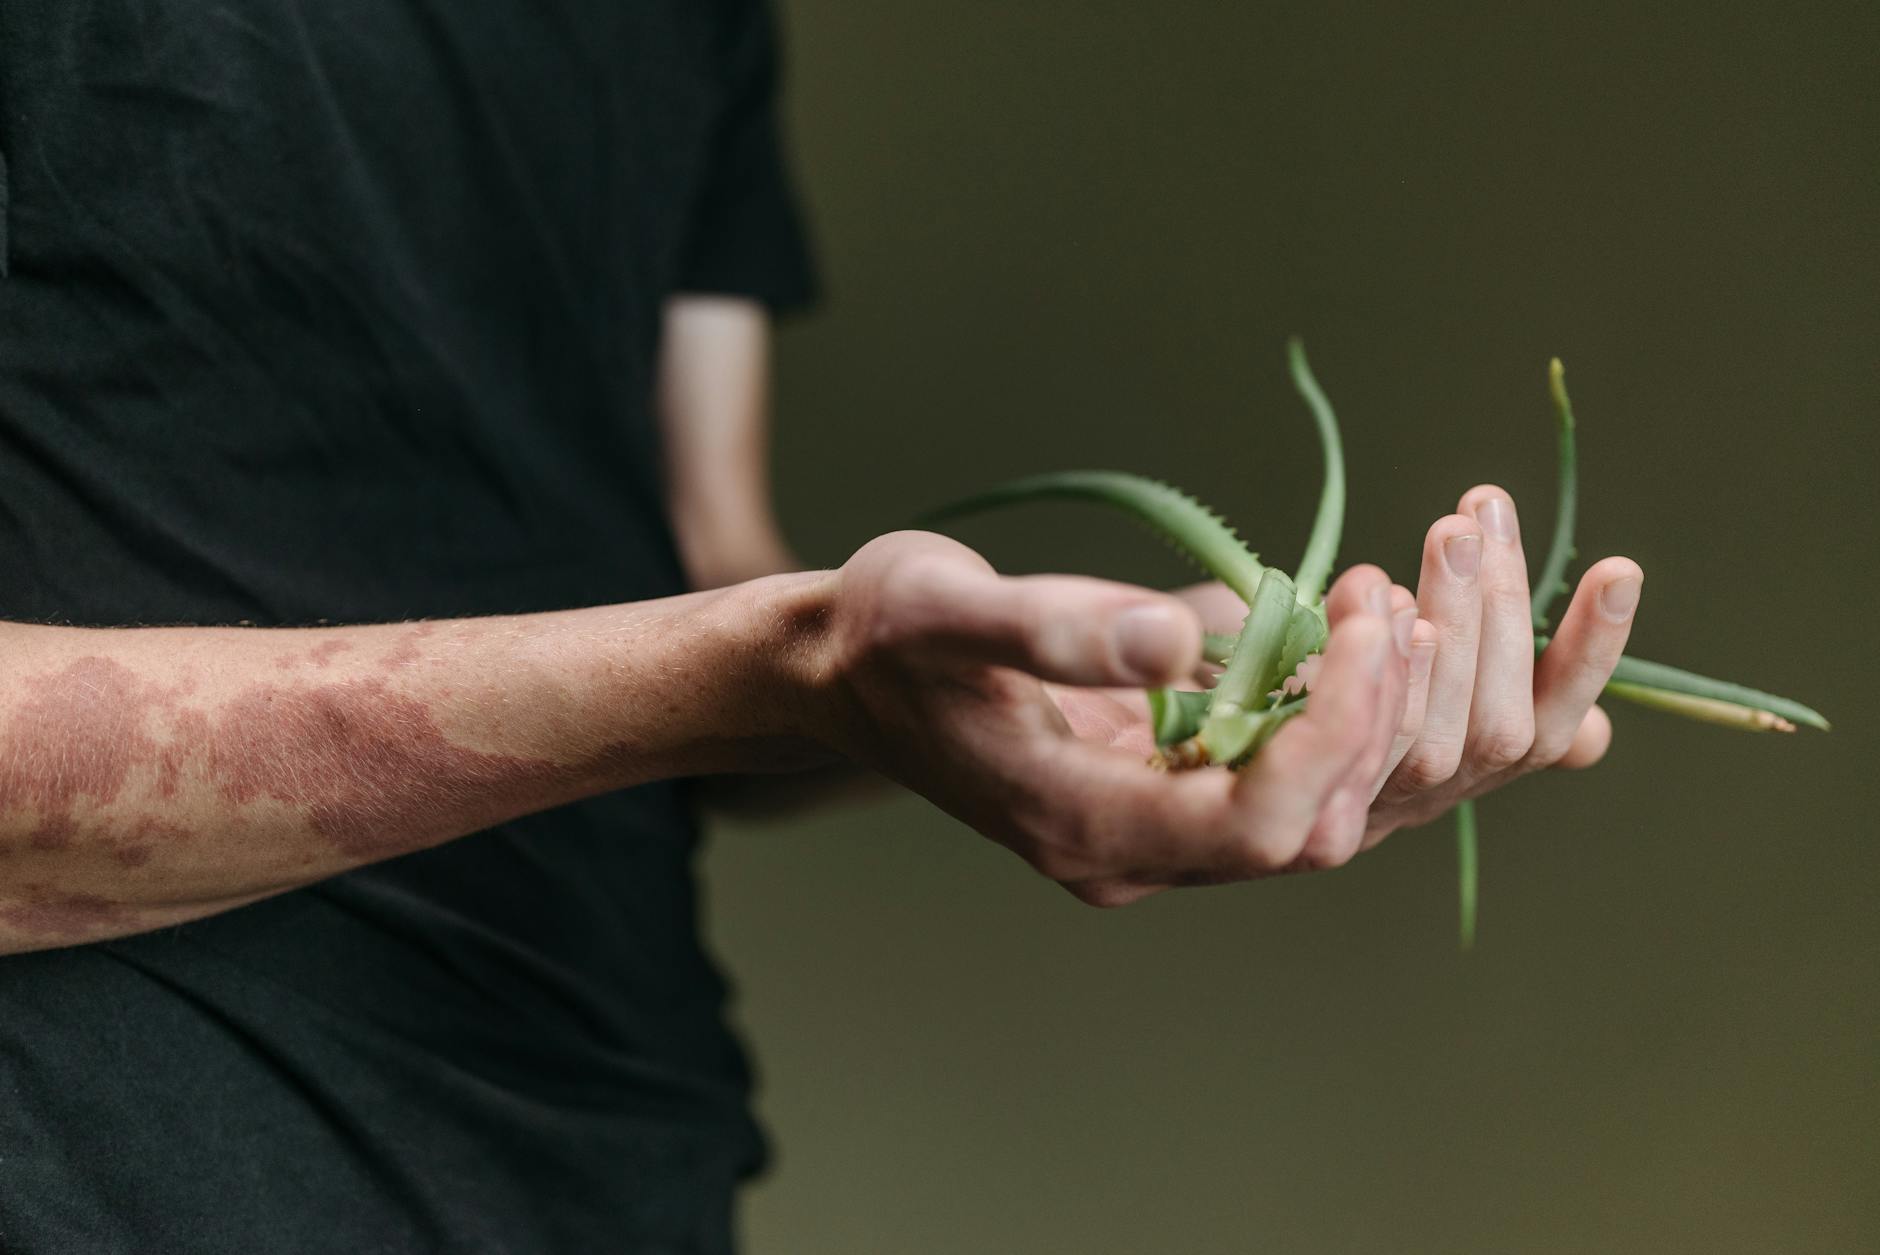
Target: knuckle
x=1502 y=745
x=1431 y=763
x=900 y=609
x=1265 y=852
x=1328 y=850
x=1104 y=895
x=1061 y=852
x=1419 y=773
x=1548 y=749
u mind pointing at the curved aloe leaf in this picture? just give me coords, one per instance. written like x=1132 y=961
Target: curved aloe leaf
x=1199 y=533
x=1315 y=568
x=1551 y=582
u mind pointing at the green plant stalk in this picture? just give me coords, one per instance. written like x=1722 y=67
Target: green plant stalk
x=1552 y=580
x=1467 y=872
x=1551 y=583
x=1315 y=567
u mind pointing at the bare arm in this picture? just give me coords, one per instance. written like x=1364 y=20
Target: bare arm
x=152 y=775
x=714 y=413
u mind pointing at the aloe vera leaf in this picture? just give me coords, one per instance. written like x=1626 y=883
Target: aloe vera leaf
x=1191 y=527
x=1315 y=567
x=1552 y=582
x=1703 y=709
x=1305 y=636
x=1636 y=673
x=1217 y=647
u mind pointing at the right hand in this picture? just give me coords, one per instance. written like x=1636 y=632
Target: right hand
x=998 y=699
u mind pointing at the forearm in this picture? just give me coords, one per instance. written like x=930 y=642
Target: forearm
x=152 y=775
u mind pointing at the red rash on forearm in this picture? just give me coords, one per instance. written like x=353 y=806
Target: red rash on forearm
x=153 y=775
x=367 y=767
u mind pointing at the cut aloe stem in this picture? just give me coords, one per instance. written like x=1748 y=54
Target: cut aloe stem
x=1176 y=714
x=1704 y=709
x=1253 y=672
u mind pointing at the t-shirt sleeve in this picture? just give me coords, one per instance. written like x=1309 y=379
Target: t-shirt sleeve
x=747 y=236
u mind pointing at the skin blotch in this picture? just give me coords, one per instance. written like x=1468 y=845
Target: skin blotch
x=75 y=739
x=368 y=767
x=144 y=837
x=409 y=648
x=47 y=914
x=100 y=762
x=324 y=653
x=320 y=656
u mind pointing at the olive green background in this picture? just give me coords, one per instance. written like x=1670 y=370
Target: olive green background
x=1061 y=234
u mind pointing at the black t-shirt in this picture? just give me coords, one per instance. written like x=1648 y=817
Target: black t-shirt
x=348 y=312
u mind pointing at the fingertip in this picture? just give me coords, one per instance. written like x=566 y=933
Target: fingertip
x=1590 y=741
x=1447 y=529
x=1606 y=570
x=1364 y=588
x=1617 y=585
x=1472 y=500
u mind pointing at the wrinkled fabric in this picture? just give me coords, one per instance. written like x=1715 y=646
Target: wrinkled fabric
x=347 y=312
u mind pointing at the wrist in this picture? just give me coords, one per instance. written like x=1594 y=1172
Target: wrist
x=793 y=691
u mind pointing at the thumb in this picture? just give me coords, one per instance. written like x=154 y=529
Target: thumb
x=1062 y=628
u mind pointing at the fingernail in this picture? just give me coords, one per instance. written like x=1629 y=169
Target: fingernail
x=1463 y=554
x=1380 y=654
x=1402 y=624
x=1619 y=599
x=1148 y=638
x=1496 y=515
x=1378 y=599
